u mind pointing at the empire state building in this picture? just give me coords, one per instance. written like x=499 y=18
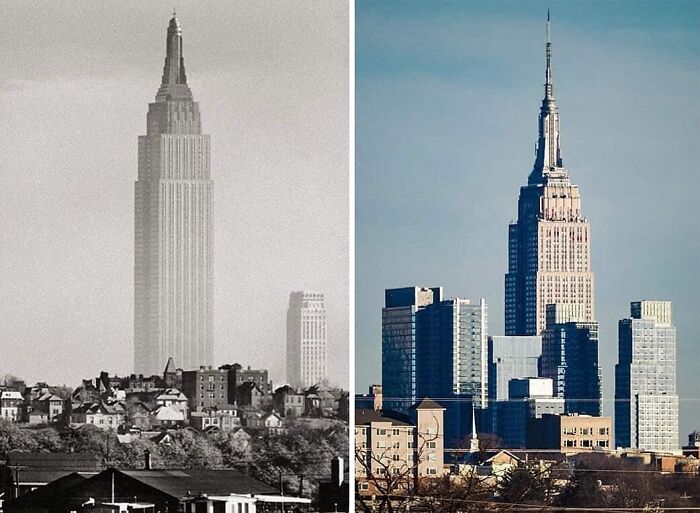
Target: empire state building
x=549 y=257
x=173 y=227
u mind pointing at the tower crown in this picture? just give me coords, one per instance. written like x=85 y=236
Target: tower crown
x=548 y=161
x=174 y=83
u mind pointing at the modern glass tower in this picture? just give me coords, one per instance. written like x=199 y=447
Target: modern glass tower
x=451 y=360
x=307 y=339
x=549 y=245
x=173 y=227
x=399 y=343
x=570 y=358
x=646 y=403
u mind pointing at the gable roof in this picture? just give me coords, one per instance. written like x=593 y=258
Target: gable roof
x=365 y=416
x=427 y=404
x=45 y=495
x=71 y=462
x=503 y=452
x=181 y=483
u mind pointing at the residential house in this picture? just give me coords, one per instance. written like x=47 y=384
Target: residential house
x=287 y=401
x=173 y=398
x=250 y=394
x=101 y=414
x=11 y=405
x=224 y=419
x=269 y=421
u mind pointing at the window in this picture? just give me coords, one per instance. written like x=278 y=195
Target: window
x=381 y=444
x=432 y=445
x=364 y=486
x=431 y=471
x=381 y=431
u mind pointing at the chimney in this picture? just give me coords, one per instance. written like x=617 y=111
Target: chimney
x=337 y=474
x=376 y=392
x=147 y=459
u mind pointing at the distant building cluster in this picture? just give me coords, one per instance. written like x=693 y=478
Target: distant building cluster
x=207 y=399
x=539 y=387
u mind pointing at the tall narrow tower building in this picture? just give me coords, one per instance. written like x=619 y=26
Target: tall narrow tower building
x=173 y=227
x=307 y=339
x=549 y=245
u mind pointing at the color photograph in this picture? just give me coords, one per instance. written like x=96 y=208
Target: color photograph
x=526 y=234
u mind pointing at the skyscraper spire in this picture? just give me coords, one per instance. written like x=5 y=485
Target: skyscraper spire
x=548 y=162
x=174 y=83
x=548 y=73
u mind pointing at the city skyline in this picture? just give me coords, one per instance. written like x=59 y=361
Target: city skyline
x=469 y=74
x=76 y=80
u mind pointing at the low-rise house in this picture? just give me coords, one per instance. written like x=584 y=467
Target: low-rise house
x=173 y=398
x=166 y=416
x=287 y=401
x=139 y=415
x=250 y=394
x=23 y=472
x=100 y=414
x=149 y=490
x=269 y=421
x=11 y=405
x=225 y=419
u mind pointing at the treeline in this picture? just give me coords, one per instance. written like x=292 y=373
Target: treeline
x=300 y=456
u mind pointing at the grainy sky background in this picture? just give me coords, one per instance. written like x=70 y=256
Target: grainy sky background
x=75 y=82
x=447 y=97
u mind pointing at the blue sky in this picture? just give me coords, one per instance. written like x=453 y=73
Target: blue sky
x=447 y=97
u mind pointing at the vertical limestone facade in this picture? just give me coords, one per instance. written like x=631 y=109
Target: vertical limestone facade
x=173 y=227
x=307 y=339
x=549 y=258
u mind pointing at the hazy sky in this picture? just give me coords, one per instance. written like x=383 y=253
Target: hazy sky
x=75 y=82
x=448 y=95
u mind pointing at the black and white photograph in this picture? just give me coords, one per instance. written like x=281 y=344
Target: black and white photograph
x=174 y=271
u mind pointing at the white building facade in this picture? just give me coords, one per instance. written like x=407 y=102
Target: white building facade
x=307 y=339
x=646 y=402
x=173 y=227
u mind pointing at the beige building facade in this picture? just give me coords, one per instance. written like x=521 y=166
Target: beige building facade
x=549 y=257
x=393 y=450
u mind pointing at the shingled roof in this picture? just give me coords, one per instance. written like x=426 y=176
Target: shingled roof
x=365 y=416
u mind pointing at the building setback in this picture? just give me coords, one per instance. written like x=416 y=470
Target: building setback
x=173 y=227
x=646 y=403
x=549 y=245
x=307 y=339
